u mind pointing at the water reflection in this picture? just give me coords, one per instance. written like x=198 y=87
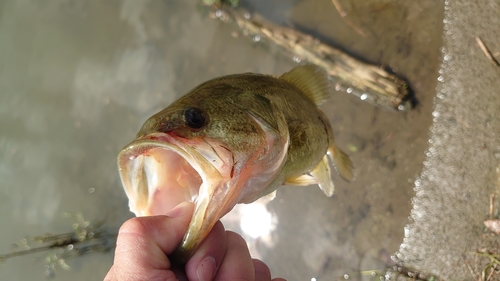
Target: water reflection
x=255 y=222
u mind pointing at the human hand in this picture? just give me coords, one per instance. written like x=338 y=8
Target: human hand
x=144 y=243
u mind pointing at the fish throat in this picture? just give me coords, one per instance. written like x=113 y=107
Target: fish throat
x=164 y=180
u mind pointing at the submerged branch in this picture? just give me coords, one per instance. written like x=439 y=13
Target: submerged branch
x=371 y=83
x=86 y=237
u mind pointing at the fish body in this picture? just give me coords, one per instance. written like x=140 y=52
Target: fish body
x=233 y=139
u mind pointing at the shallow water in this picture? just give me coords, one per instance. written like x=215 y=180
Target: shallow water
x=77 y=80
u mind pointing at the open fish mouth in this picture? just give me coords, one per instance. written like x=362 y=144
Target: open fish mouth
x=158 y=175
x=158 y=172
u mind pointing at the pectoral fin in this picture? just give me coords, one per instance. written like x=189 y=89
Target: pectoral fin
x=301 y=180
x=296 y=130
x=322 y=174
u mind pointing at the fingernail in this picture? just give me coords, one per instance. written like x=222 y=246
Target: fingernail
x=206 y=269
x=179 y=210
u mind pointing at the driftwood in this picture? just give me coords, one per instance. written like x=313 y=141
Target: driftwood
x=85 y=238
x=369 y=82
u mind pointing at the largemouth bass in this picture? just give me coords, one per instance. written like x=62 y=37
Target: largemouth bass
x=233 y=139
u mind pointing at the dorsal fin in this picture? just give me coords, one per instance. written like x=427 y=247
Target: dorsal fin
x=311 y=80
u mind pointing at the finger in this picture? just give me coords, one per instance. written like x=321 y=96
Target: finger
x=110 y=276
x=205 y=261
x=262 y=272
x=237 y=263
x=143 y=244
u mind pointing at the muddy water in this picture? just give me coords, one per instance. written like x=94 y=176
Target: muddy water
x=78 y=79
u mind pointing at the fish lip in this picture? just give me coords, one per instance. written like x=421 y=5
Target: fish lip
x=212 y=181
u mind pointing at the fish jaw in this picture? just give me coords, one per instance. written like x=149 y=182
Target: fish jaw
x=159 y=171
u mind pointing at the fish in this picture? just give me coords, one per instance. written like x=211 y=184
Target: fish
x=230 y=140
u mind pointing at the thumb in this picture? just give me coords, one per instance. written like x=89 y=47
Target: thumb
x=143 y=244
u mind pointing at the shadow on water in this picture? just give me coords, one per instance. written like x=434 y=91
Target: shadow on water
x=77 y=80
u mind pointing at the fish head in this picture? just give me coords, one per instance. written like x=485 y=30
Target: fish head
x=192 y=151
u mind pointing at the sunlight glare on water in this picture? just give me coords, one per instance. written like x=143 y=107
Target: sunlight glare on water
x=256 y=220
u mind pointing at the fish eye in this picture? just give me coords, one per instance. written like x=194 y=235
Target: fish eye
x=194 y=117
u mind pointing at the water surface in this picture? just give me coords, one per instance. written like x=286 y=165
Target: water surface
x=77 y=80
